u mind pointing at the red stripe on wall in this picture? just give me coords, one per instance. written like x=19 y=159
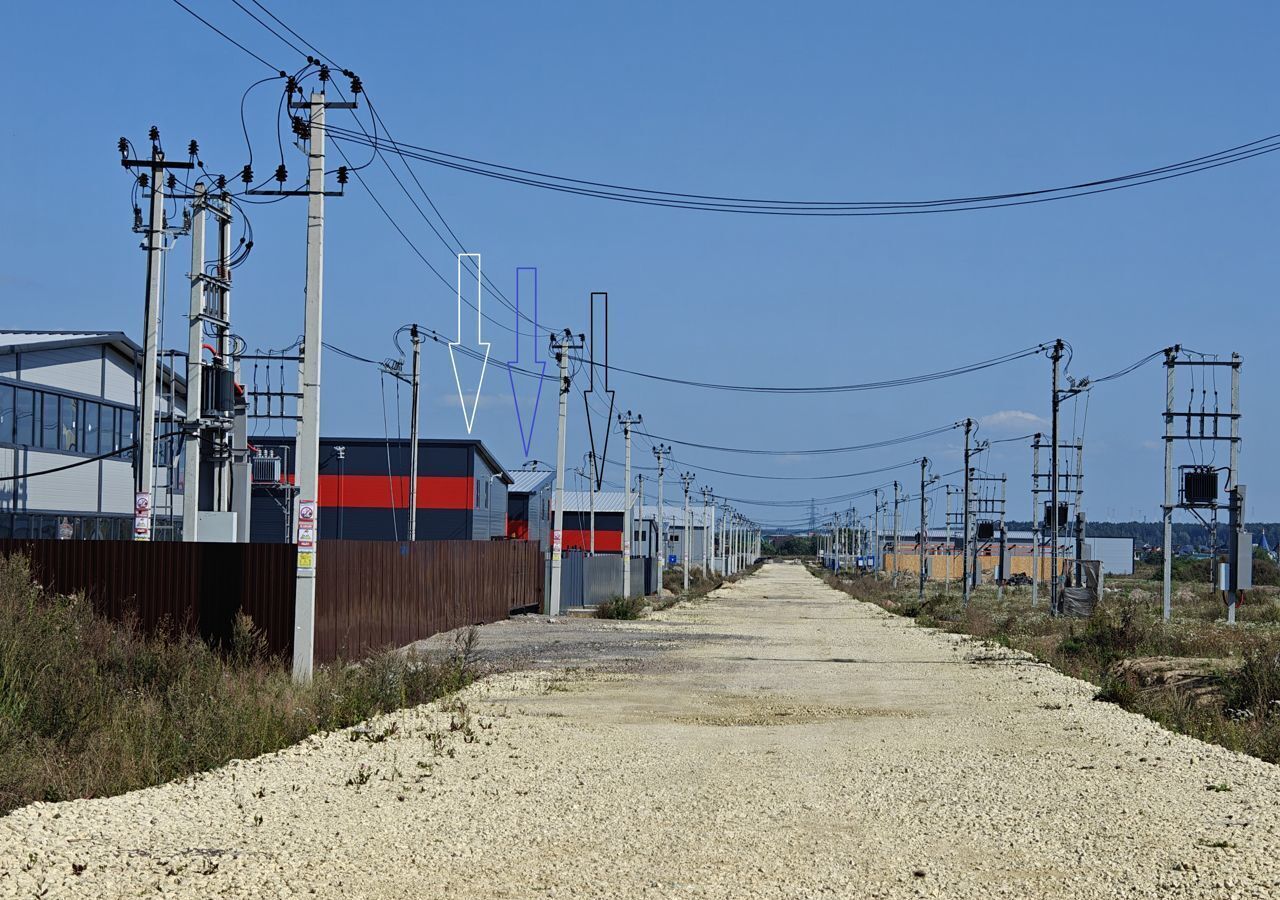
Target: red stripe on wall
x=518 y=529
x=381 y=492
x=606 y=541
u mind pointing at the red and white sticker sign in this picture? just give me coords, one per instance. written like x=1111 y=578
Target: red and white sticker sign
x=306 y=536
x=142 y=503
x=306 y=511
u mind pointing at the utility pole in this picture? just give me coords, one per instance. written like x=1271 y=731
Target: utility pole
x=897 y=532
x=591 y=491
x=308 y=445
x=724 y=541
x=946 y=585
x=307 y=451
x=687 y=479
x=195 y=341
x=1035 y=521
x=877 y=548
x=626 y=420
x=415 y=374
x=708 y=530
x=145 y=453
x=661 y=452
x=924 y=519
x=1056 y=516
x=968 y=489
x=561 y=345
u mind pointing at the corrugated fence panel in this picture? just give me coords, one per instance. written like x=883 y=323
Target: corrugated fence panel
x=196 y=587
x=369 y=594
x=376 y=594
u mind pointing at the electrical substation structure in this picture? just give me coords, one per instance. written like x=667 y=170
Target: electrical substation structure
x=1198 y=488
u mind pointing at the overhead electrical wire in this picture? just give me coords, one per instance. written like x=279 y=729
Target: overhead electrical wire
x=889 y=442
x=830 y=208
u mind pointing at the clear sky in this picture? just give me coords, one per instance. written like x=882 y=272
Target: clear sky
x=805 y=100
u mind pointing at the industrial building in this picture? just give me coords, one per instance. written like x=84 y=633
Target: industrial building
x=610 y=509
x=68 y=402
x=529 y=498
x=364 y=490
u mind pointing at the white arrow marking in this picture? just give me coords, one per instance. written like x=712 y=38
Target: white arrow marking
x=469 y=417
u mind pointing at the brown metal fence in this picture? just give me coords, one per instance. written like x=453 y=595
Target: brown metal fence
x=369 y=594
x=372 y=594
x=198 y=587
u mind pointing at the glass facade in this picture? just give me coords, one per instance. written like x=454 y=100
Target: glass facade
x=48 y=420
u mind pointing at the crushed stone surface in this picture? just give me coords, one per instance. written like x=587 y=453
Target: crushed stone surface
x=777 y=741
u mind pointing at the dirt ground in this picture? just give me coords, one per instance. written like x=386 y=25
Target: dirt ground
x=778 y=740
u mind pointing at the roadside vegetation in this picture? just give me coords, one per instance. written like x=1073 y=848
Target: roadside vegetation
x=621 y=608
x=1196 y=675
x=92 y=708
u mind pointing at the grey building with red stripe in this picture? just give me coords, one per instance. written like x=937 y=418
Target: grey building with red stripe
x=364 y=490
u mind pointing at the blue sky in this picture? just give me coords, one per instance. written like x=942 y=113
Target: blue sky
x=810 y=100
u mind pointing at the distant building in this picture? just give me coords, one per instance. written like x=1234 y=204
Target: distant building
x=610 y=509
x=364 y=490
x=529 y=500
x=69 y=402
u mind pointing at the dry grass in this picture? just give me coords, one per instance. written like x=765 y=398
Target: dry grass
x=1126 y=625
x=91 y=708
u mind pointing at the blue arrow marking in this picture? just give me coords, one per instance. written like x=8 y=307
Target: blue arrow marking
x=524 y=275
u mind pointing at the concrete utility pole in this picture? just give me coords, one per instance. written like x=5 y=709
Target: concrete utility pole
x=1170 y=358
x=724 y=540
x=968 y=489
x=308 y=446
x=875 y=538
x=708 y=529
x=1035 y=521
x=415 y=376
x=561 y=345
x=924 y=518
x=661 y=452
x=946 y=585
x=195 y=340
x=626 y=420
x=145 y=454
x=591 y=490
x=1055 y=515
x=687 y=479
x=897 y=531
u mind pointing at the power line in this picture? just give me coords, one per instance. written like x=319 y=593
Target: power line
x=839 y=388
x=810 y=452
x=227 y=37
x=714 y=203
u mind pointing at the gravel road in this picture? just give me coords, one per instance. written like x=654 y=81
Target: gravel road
x=779 y=740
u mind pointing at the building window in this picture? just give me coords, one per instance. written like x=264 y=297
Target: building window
x=106 y=429
x=68 y=437
x=24 y=417
x=49 y=421
x=89 y=428
x=6 y=414
x=126 y=437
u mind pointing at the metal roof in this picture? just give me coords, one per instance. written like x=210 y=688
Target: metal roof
x=615 y=502
x=528 y=481
x=12 y=340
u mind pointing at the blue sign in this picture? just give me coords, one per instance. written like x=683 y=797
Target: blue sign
x=672 y=560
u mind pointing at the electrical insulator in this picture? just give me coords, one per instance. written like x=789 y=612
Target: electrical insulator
x=324 y=73
x=173 y=181
x=291 y=85
x=282 y=174
x=246 y=174
x=137 y=217
x=143 y=180
x=342 y=174
x=193 y=149
x=123 y=146
x=356 y=85
x=153 y=134
x=222 y=182
x=186 y=218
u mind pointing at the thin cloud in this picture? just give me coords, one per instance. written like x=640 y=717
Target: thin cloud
x=1012 y=420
